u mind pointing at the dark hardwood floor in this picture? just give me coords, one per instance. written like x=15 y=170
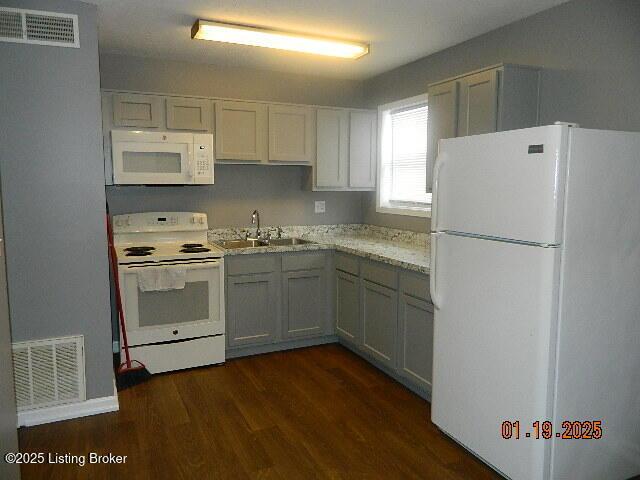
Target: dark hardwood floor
x=319 y=412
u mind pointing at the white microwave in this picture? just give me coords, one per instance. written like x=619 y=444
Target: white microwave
x=161 y=158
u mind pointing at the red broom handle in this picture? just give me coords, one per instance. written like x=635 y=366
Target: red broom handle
x=116 y=279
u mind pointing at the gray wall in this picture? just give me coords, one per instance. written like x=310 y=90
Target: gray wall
x=276 y=191
x=239 y=189
x=166 y=76
x=53 y=192
x=8 y=413
x=590 y=52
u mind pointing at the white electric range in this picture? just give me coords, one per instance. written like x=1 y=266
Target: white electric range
x=172 y=288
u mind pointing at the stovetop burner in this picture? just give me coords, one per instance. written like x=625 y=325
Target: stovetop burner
x=139 y=249
x=138 y=253
x=195 y=250
x=192 y=245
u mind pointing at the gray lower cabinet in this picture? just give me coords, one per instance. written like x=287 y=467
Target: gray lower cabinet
x=304 y=303
x=251 y=309
x=379 y=322
x=415 y=346
x=273 y=298
x=386 y=314
x=348 y=325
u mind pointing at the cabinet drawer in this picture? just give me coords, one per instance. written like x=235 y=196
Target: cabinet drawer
x=415 y=285
x=381 y=274
x=303 y=261
x=243 y=264
x=347 y=263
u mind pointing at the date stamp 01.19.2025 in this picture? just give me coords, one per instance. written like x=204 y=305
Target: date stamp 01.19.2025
x=545 y=430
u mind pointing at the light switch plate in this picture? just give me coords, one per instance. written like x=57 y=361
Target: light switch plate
x=320 y=206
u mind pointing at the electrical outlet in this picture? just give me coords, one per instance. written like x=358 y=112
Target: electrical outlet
x=320 y=206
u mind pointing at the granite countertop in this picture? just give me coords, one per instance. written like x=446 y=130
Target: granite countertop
x=400 y=248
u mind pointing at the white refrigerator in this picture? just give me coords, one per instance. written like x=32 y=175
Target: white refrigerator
x=535 y=280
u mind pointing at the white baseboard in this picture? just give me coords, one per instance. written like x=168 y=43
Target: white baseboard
x=94 y=406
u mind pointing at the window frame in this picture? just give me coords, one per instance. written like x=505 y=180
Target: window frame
x=398 y=208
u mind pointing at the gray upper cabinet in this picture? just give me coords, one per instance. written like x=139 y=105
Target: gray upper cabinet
x=292 y=132
x=362 y=149
x=478 y=104
x=503 y=97
x=189 y=114
x=345 y=150
x=415 y=330
x=332 y=148
x=241 y=131
x=348 y=320
x=442 y=121
x=133 y=110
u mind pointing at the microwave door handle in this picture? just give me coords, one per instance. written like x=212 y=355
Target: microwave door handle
x=190 y=163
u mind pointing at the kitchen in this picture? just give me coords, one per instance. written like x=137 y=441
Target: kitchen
x=337 y=396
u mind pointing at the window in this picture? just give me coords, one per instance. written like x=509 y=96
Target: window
x=402 y=182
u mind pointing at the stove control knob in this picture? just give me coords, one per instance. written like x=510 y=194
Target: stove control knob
x=175 y=332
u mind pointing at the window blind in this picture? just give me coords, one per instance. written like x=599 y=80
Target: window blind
x=409 y=155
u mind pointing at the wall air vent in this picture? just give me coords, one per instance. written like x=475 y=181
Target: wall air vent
x=39 y=27
x=49 y=372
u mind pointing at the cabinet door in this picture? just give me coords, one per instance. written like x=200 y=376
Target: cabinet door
x=130 y=110
x=362 y=149
x=251 y=309
x=478 y=107
x=241 y=129
x=291 y=134
x=304 y=299
x=189 y=114
x=332 y=148
x=380 y=322
x=348 y=307
x=442 y=121
x=415 y=361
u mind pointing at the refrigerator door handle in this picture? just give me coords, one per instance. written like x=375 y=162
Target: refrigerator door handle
x=437 y=167
x=433 y=290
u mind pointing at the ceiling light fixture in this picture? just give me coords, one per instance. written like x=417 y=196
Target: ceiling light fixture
x=264 y=37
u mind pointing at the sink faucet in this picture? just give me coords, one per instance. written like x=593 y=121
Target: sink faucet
x=255 y=220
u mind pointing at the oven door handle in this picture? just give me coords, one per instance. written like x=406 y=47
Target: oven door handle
x=187 y=266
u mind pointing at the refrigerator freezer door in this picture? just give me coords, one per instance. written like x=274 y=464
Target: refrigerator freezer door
x=507 y=185
x=492 y=348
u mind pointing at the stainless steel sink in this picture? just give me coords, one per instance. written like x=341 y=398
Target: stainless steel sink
x=231 y=244
x=275 y=242
x=288 y=241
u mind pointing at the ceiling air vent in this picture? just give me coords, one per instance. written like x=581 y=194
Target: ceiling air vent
x=39 y=27
x=49 y=372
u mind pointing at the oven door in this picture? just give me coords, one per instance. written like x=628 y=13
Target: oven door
x=152 y=163
x=197 y=310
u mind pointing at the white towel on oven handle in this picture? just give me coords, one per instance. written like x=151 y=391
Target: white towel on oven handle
x=160 y=279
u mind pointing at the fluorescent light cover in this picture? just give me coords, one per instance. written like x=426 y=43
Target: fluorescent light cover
x=262 y=37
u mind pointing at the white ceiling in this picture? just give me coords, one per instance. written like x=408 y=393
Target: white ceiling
x=398 y=31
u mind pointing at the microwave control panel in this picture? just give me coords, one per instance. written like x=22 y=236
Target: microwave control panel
x=203 y=157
